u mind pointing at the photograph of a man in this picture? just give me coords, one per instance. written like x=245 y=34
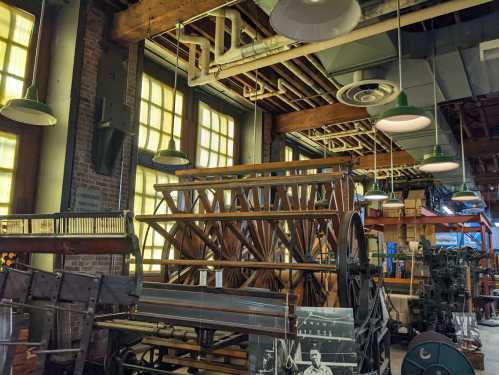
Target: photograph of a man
x=317 y=368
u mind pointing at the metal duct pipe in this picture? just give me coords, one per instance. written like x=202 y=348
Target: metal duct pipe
x=282 y=87
x=204 y=61
x=237 y=53
x=261 y=94
x=358 y=34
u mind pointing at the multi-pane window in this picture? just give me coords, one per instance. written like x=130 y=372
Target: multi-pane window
x=288 y=153
x=146 y=201
x=215 y=138
x=156 y=108
x=8 y=151
x=308 y=171
x=16 y=27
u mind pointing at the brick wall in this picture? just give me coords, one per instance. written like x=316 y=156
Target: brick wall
x=84 y=175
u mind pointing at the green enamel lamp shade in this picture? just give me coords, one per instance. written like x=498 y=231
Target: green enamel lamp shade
x=29 y=110
x=403 y=117
x=375 y=193
x=393 y=202
x=438 y=161
x=170 y=156
x=464 y=195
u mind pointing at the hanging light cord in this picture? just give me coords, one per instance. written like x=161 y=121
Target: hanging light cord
x=399 y=41
x=461 y=121
x=435 y=82
x=391 y=159
x=254 y=117
x=38 y=41
x=178 y=27
x=375 y=168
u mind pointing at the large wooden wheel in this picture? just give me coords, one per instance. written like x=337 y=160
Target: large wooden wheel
x=307 y=240
x=278 y=221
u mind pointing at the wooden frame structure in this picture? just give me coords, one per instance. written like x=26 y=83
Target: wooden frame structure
x=448 y=223
x=278 y=227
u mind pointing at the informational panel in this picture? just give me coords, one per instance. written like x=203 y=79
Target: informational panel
x=466 y=327
x=325 y=345
x=88 y=200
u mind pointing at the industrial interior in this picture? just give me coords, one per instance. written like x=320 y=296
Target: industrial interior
x=305 y=187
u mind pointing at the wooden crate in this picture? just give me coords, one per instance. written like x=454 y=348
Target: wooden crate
x=392 y=212
x=476 y=359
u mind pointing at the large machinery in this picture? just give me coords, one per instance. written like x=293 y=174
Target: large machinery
x=453 y=286
x=244 y=252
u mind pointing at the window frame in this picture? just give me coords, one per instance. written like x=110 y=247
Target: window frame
x=13 y=171
x=32 y=11
x=189 y=131
x=144 y=195
x=162 y=133
x=218 y=152
x=221 y=106
x=30 y=137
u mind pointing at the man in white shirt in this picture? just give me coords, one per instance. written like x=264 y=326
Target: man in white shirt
x=317 y=368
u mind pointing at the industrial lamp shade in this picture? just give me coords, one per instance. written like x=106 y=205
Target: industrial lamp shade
x=29 y=110
x=403 y=118
x=464 y=195
x=315 y=20
x=170 y=156
x=375 y=193
x=438 y=161
x=393 y=202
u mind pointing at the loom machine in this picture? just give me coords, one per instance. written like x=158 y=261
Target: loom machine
x=246 y=254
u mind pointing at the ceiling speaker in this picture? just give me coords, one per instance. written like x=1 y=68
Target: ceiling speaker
x=315 y=20
x=366 y=90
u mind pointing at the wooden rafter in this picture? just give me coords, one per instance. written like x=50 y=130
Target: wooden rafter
x=481 y=147
x=317 y=117
x=151 y=17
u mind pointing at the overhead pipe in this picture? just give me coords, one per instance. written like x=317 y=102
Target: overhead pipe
x=204 y=61
x=347 y=133
x=261 y=94
x=252 y=94
x=238 y=54
x=249 y=51
x=357 y=34
x=281 y=87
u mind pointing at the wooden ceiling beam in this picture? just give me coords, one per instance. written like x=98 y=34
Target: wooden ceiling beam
x=315 y=118
x=481 y=147
x=400 y=159
x=151 y=17
x=491 y=178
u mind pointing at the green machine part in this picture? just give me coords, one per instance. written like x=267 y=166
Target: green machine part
x=431 y=353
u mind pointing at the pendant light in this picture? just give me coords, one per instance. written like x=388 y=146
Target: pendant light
x=171 y=156
x=392 y=201
x=437 y=160
x=30 y=110
x=463 y=195
x=403 y=117
x=314 y=20
x=375 y=193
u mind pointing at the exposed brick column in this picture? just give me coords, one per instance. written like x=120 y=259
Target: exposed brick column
x=84 y=175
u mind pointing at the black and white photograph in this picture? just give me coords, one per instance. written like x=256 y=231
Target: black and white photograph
x=325 y=346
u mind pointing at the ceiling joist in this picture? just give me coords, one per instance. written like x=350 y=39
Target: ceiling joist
x=481 y=147
x=150 y=17
x=334 y=113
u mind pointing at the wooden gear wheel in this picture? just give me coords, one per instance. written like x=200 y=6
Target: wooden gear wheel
x=271 y=223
